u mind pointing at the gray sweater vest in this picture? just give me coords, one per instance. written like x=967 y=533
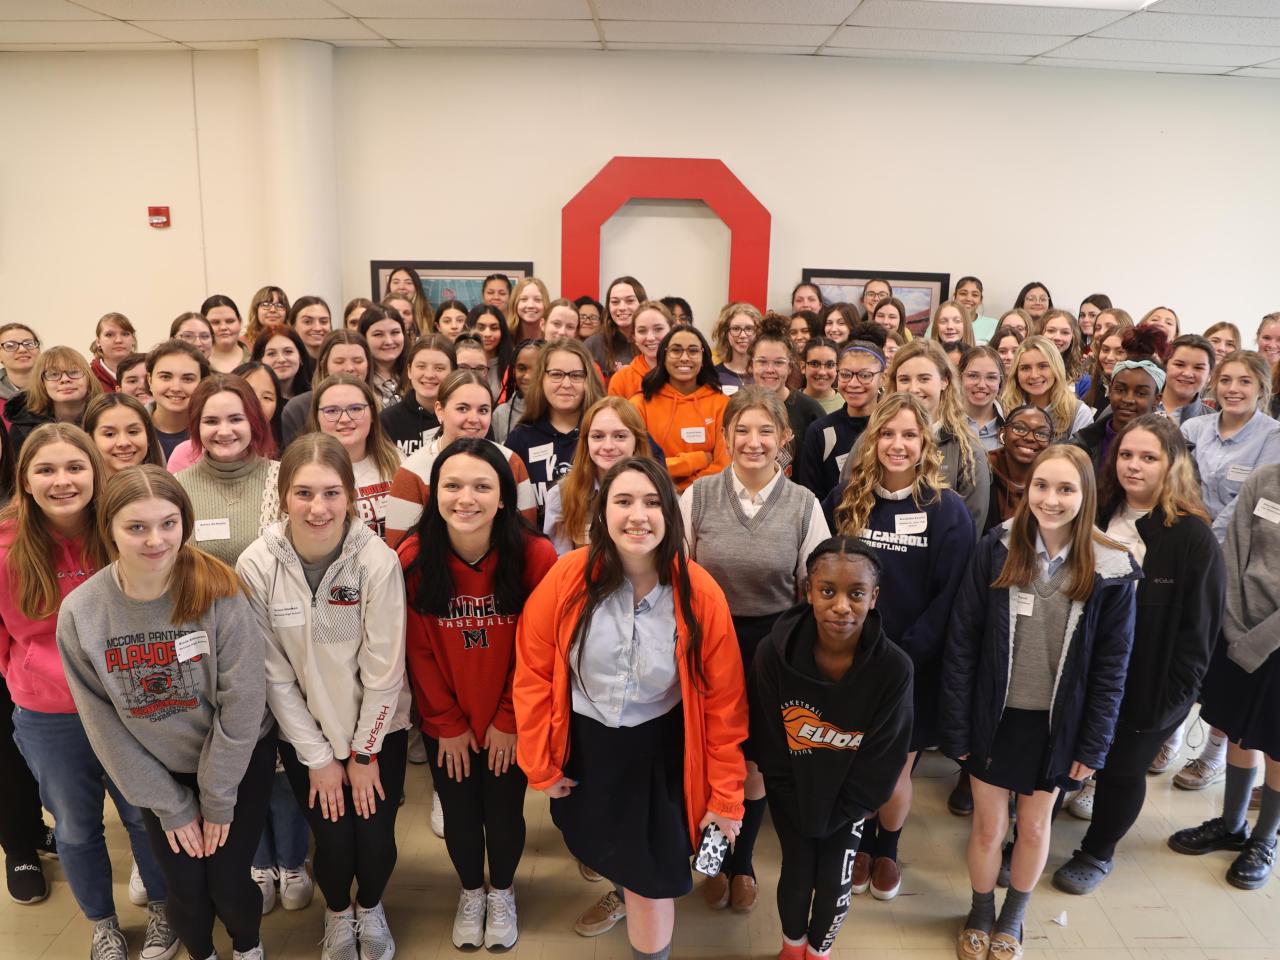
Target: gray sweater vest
x=752 y=558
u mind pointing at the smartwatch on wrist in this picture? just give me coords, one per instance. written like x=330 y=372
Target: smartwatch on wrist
x=364 y=759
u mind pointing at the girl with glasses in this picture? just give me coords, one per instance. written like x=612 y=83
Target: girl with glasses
x=772 y=361
x=981 y=377
x=269 y=305
x=61 y=387
x=820 y=359
x=19 y=350
x=734 y=332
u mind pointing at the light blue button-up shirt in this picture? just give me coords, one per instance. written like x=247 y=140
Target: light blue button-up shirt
x=1225 y=464
x=627 y=674
x=1050 y=565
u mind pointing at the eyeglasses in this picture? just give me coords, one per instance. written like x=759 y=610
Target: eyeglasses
x=189 y=337
x=693 y=353
x=864 y=376
x=474 y=367
x=273 y=307
x=780 y=364
x=575 y=376
x=1041 y=435
x=742 y=331
x=13 y=346
x=820 y=364
x=1037 y=301
x=53 y=376
x=973 y=376
x=354 y=411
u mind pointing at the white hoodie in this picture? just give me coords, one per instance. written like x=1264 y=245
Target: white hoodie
x=335 y=659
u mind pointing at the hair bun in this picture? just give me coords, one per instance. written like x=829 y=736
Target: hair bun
x=1146 y=342
x=774 y=325
x=869 y=332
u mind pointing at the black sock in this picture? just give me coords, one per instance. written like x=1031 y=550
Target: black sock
x=739 y=862
x=1268 y=815
x=982 y=915
x=1012 y=912
x=663 y=954
x=868 y=844
x=1235 y=799
x=887 y=843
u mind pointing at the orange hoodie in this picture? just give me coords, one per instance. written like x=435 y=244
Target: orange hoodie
x=715 y=718
x=627 y=380
x=690 y=430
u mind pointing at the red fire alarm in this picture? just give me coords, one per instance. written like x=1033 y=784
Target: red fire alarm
x=158 y=217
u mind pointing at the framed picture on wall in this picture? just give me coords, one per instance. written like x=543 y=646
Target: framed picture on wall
x=920 y=293
x=449 y=279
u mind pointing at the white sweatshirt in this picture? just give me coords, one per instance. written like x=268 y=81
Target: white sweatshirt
x=335 y=660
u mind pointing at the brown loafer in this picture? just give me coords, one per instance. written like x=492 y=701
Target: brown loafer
x=742 y=893
x=972 y=944
x=861 y=872
x=716 y=891
x=886 y=878
x=1004 y=946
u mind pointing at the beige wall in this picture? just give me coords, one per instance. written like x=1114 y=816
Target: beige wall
x=1156 y=189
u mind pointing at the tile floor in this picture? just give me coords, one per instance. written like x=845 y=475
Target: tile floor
x=1156 y=906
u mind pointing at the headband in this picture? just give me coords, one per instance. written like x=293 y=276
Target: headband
x=864 y=349
x=1148 y=366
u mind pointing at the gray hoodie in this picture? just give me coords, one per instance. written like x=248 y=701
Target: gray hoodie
x=1251 y=626
x=155 y=698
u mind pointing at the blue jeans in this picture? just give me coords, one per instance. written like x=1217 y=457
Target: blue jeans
x=72 y=784
x=286 y=838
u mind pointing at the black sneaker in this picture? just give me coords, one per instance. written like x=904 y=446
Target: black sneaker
x=1209 y=836
x=1253 y=866
x=48 y=845
x=26 y=880
x=960 y=803
x=1006 y=864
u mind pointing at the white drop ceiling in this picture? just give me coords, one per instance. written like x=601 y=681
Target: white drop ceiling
x=1224 y=37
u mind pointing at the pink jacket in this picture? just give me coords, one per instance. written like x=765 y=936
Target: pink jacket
x=28 y=651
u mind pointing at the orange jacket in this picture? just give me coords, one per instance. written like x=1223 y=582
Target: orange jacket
x=690 y=430
x=715 y=718
x=627 y=380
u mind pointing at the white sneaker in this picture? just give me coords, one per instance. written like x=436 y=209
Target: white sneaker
x=255 y=954
x=160 y=942
x=437 y=815
x=468 y=922
x=376 y=942
x=500 y=928
x=266 y=881
x=340 y=931
x=137 y=889
x=296 y=888
x=1081 y=805
x=108 y=941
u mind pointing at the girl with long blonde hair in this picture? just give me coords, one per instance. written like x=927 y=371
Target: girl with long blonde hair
x=1039 y=378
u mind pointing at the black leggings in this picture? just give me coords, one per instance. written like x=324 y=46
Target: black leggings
x=483 y=812
x=353 y=848
x=1121 y=788
x=816 y=882
x=21 y=818
x=219 y=886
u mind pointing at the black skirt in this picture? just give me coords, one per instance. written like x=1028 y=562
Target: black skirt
x=1244 y=706
x=626 y=817
x=750 y=631
x=1019 y=754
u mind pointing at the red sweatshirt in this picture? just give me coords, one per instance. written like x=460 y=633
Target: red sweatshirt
x=462 y=666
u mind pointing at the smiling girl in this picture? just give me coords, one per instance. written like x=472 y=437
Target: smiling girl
x=1039 y=378
x=489 y=324
x=405 y=282
x=734 y=332
x=773 y=362
x=343 y=351
x=114 y=338
x=981 y=377
x=195 y=329
x=1005 y=342
x=1034 y=671
x=1025 y=433
x=311 y=320
x=516 y=388
x=560 y=322
x=384 y=333
x=952 y=326
x=224 y=317
x=829 y=439
x=651 y=322
x=122 y=432
x=191 y=742
x=19 y=350
x=1059 y=327
x=269 y=305
x=837 y=322
x=611 y=347
x=1108 y=350
x=472 y=548
x=281 y=349
x=529 y=304
x=61 y=387
x=174 y=369
x=1191 y=360
x=1136 y=383
x=821 y=356
x=407 y=423
x=451 y=319
x=1225 y=338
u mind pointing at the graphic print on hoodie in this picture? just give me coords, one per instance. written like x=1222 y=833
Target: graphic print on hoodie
x=154 y=685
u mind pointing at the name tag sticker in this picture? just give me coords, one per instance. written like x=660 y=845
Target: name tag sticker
x=693 y=434
x=213 y=529
x=1238 y=472
x=191 y=646
x=1026 y=604
x=729 y=389
x=840 y=461
x=911 y=523
x=541 y=452
x=288 y=613
x=1268 y=510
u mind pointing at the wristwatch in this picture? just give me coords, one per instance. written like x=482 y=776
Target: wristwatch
x=364 y=759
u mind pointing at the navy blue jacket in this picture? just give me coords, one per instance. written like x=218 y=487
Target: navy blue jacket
x=823 y=450
x=1091 y=674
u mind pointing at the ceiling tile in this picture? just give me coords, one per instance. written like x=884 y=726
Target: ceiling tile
x=1122 y=65
x=1184 y=28
x=1258 y=73
x=468 y=9
x=873 y=54
x=72 y=31
x=505 y=44
x=778 y=34
x=945 y=41
x=212 y=9
x=981 y=17
x=44 y=10
x=1219 y=8
x=829 y=12
x=215 y=45
x=533 y=30
x=336 y=29
x=1150 y=51
x=161 y=45
x=714 y=48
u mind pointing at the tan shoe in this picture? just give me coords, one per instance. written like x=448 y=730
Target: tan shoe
x=602 y=916
x=742 y=893
x=716 y=891
x=886 y=878
x=588 y=874
x=861 y=872
x=1004 y=946
x=972 y=944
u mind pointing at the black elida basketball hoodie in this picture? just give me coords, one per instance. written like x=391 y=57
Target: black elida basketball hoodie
x=830 y=752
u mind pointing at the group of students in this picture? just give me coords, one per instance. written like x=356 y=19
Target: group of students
x=673 y=582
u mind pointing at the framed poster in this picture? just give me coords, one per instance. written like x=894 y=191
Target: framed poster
x=920 y=293
x=449 y=279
